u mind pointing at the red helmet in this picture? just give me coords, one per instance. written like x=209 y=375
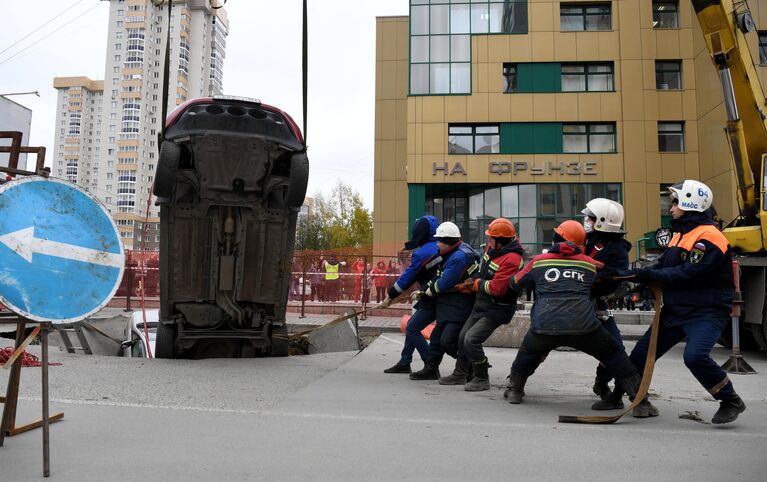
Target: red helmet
x=501 y=228
x=572 y=231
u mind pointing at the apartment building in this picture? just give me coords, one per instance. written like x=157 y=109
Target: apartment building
x=107 y=129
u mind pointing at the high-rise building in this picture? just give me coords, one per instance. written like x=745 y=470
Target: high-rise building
x=107 y=130
x=528 y=109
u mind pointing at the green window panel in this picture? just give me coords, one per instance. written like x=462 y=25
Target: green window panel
x=539 y=77
x=531 y=138
x=416 y=204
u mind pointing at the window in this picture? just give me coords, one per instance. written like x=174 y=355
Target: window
x=671 y=136
x=440 y=40
x=509 y=78
x=665 y=14
x=592 y=138
x=478 y=139
x=580 y=17
x=763 y=48
x=668 y=74
x=587 y=77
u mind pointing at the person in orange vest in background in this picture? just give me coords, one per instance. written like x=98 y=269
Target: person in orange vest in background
x=495 y=305
x=695 y=271
x=379 y=280
x=563 y=313
x=358 y=268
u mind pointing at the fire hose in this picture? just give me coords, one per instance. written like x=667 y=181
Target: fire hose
x=646 y=374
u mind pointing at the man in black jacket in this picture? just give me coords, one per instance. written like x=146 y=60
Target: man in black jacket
x=603 y=220
x=563 y=313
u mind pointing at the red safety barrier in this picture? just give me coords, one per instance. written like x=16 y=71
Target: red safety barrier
x=426 y=332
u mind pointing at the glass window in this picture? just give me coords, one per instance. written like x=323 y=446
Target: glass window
x=573 y=78
x=419 y=49
x=548 y=199
x=588 y=17
x=671 y=136
x=440 y=19
x=440 y=48
x=668 y=74
x=493 y=203
x=460 y=140
x=460 y=48
x=509 y=202
x=480 y=18
x=527 y=200
x=478 y=139
x=459 y=19
x=419 y=20
x=665 y=14
x=460 y=78
x=593 y=138
x=763 y=47
x=419 y=78
x=439 y=78
x=509 y=78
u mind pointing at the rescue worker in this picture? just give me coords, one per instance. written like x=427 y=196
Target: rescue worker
x=695 y=272
x=422 y=268
x=602 y=221
x=563 y=312
x=458 y=262
x=495 y=305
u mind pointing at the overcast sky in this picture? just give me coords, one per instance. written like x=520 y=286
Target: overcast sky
x=263 y=60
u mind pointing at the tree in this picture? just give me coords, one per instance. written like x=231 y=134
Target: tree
x=339 y=220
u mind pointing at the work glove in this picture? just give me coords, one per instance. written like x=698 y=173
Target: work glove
x=643 y=276
x=429 y=292
x=469 y=286
x=392 y=293
x=386 y=302
x=415 y=297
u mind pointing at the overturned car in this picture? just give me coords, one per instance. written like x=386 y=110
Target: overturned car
x=230 y=181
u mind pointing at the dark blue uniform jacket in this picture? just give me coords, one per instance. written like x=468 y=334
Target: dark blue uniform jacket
x=612 y=251
x=695 y=272
x=457 y=265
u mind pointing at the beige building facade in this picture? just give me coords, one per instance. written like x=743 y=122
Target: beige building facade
x=529 y=109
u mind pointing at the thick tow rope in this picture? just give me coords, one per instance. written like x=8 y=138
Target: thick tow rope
x=646 y=374
x=298 y=335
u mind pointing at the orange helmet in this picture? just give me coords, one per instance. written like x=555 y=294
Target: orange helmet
x=572 y=231
x=501 y=228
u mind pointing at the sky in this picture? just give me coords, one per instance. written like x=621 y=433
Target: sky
x=263 y=60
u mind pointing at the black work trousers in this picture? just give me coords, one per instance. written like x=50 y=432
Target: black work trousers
x=473 y=334
x=599 y=343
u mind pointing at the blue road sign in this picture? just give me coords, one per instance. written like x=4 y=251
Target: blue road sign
x=61 y=258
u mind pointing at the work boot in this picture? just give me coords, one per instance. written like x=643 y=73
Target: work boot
x=516 y=388
x=601 y=388
x=399 y=368
x=614 y=400
x=430 y=370
x=481 y=380
x=645 y=409
x=460 y=373
x=729 y=410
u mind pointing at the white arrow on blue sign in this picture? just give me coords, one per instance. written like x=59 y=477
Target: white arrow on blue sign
x=61 y=258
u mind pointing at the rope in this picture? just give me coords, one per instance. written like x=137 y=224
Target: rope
x=27 y=359
x=644 y=386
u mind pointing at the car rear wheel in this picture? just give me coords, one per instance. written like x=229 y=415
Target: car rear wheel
x=165 y=175
x=165 y=341
x=299 y=178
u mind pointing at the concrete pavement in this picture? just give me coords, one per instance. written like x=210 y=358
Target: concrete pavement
x=338 y=417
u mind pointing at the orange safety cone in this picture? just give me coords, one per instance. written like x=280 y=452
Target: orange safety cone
x=426 y=332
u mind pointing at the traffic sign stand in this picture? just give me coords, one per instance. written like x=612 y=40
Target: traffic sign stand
x=8 y=423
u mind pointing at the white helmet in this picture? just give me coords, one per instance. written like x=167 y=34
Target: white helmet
x=692 y=195
x=608 y=214
x=447 y=230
